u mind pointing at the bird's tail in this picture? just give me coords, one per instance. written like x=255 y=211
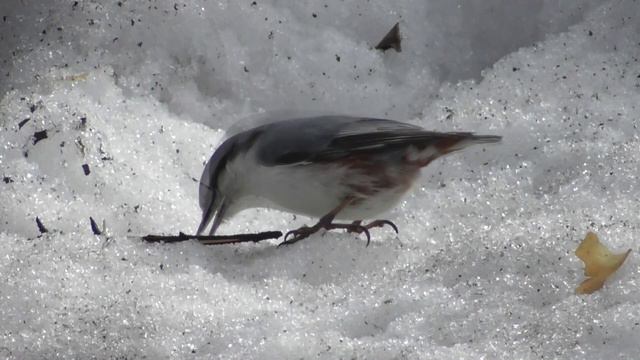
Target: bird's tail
x=459 y=141
x=431 y=145
x=484 y=139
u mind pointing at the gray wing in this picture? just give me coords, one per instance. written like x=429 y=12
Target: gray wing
x=326 y=137
x=334 y=137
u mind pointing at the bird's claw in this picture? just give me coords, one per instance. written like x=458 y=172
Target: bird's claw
x=355 y=227
x=381 y=223
x=298 y=234
x=366 y=232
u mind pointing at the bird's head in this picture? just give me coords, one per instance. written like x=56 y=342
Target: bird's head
x=221 y=185
x=214 y=196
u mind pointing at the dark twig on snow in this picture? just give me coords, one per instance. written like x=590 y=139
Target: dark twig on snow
x=41 y=227
x=39 y=135
x=94 y=227
x=215 y=239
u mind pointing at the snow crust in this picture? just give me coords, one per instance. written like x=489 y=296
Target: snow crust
x=134 y=96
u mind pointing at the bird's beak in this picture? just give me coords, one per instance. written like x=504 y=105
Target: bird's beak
x=216 y=211
x=220 y=215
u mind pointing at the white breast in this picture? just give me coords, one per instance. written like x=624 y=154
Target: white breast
x=312 y=190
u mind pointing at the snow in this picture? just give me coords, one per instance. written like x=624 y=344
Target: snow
x=141 y=93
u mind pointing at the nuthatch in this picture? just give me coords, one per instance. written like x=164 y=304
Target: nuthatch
x=330 y=167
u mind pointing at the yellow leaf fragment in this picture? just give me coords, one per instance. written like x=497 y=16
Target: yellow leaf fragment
x=77 y=77
x=599 y=263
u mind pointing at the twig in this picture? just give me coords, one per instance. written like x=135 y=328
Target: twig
x=215 y=239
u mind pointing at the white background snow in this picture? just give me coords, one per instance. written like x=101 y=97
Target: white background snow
x=143 y=91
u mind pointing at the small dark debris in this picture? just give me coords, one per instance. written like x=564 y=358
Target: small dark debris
x=119 y=3
x=161 y=266
x=590 y=33
x=140 y=44
x=515 y=69
x=175 y=6
x=4 y=18
x=32 y=108
x=75 y=4
x=41 y=227
x=39 y=135
x=392 y=40
x=449 y=112
x=94 y=227
x=337 y=58
x=314 y=15
x=21 y=123
x=254 y=3
x=83 y=120
x=136 y=208
x=246 y=70
x=80 y=145
x=7 y=180
x=85 y=168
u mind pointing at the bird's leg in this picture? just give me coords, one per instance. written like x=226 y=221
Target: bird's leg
x=325 y=222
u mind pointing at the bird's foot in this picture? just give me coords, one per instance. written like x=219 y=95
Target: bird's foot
x=358 y=228
x=354 y=227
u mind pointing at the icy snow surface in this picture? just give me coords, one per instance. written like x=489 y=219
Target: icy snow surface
x=141 y=93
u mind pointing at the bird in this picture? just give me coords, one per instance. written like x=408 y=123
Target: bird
x=332 y=167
